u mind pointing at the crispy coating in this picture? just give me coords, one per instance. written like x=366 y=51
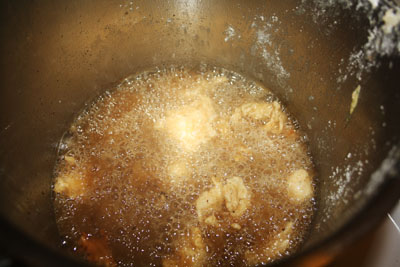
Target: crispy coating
x=233 y=195
x=269 y=114
x=300 y=187
x=71 y=183
x=209 y=202
x=190 y=125
x=236 y=195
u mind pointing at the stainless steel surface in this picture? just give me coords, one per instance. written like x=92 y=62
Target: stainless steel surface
x=385 y=248
x=380 y=247
x=57 y=55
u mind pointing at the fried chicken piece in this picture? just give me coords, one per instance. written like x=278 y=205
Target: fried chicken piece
x=236 y=195
x=300 y=187
x=269 y=114
x=71 y=183
x=209 y=202
x=190 y=125
x=233 y=195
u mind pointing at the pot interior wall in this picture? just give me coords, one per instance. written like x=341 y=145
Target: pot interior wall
x=57 y=55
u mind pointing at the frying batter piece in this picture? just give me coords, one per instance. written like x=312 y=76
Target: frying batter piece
x=300 y=186
x=190 y=125
x=71 y=182
x=233 y=196
x=268 y=114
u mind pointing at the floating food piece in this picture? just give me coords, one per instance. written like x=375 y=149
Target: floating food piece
x=354 y=99
x=70 y=184
x=190 y=125
x=234 y=196
x=300 y=187
x=269 y=114
x=391 y=20
x=70 y=160
x=237 y=198
x=212 y=220
x=210 y=202
x=236 y=226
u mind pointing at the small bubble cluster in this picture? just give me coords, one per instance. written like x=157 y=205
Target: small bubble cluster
x=139 y=184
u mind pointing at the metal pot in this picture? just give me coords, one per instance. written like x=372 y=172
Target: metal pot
x=57 y=55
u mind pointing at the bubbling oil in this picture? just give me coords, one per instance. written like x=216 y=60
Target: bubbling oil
x=182 y=167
